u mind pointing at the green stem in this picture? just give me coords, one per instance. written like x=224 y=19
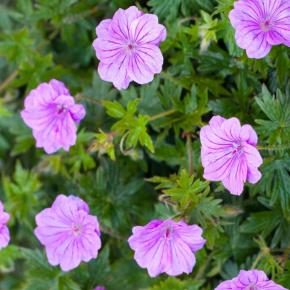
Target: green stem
x=203 y=267
x=189 y=154
x=8 y=80
x=123 y=139
x=88 y=99
x=274 y=148
x=162 y=115
x=257 y=260
x=111 y=233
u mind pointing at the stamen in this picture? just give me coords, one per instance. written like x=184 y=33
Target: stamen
x=76 y=229
x=61 y=109
x=265 y=25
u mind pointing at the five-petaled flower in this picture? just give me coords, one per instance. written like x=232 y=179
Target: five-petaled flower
x=51 y=113
x=260 y=24
x=229 y=153
x=68 y=232
x=250 y=280
x=166 y=246
x=127 y=47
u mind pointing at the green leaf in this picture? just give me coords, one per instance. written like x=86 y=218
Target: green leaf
x=8 y=257
x=22 y=193
x=176 y=284
x=262 y=222
x=114 y=109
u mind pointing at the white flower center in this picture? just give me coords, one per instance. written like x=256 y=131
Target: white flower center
x=76 y=229
x=130 y=47
x=61 y=109
x=265 y=25
x=237 y=148
x=252 y=287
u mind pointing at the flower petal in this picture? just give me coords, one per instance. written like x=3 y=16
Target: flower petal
x=253 y=174
x=180 y=257
x=144 y=63
x=234 y=182
x=231 y=129
x=249 y=135
x=271 y=6
x=259 y=47
x=4 y=237
x=116 y=72
x=147 y=30
x=59 y=88
x=108 y=50
x=252 y=155
x=103 y=29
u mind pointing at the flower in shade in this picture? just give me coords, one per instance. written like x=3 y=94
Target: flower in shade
x=229 y=153
x=51 y=113
x=250 y=280
x=127 y=47
x=260 y=24
x=166 y=246
x=4 y=231
x=100 y=288
x=68 y=232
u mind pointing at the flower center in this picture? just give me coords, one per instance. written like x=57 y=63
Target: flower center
x=76 y=229
x=168 y=232
x=61 y=109
x=251 y=287
x=130 y=47
x=237 y=148
x=265 y=25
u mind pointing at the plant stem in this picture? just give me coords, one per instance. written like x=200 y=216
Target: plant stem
x=88 y=99
x=203 y=267
x=274 y=148
x=111 y=233
x=161 y=115
x=8 y=80
x=257 y=260
x=189 y=154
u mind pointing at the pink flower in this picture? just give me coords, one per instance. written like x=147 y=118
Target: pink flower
x=4 y=231
x=250 y=280
x=166 y=246
x=70 y=235
x=51 y=113
x=260 y=24
x=229 y=153
x=127 y=47
x=100 y=288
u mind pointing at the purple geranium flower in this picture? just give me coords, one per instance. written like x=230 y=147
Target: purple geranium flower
x=127 y=47
x=70 y=235
x=51 y=113
x=100 y=288
x=250 y=280
x=260 y=24
x=4 y=231
x=166 y=246
x=229 y=153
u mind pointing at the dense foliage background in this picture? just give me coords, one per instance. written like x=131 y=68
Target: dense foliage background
x=137 y=154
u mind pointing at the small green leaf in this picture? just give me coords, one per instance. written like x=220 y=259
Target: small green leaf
x=114 y=109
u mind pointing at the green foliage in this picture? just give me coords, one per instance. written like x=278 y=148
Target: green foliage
x=145 y=136
x=277 y=110
x=22 y=193
x=132 y=128
x=189 y=196
x=175 y=284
